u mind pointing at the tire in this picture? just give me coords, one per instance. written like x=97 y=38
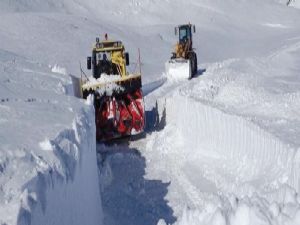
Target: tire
x=191 y=68
x=196 y=64
x=193 y=63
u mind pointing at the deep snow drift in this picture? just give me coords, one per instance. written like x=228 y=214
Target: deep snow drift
x=47 y=148
x=48 y=170
x=223 y=169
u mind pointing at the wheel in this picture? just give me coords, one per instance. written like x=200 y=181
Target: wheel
x=193 y=63
x=173 y=55
x=196 y=64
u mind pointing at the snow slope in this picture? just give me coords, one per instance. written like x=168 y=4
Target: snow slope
x=47 y=142
x=47 y=146
x=224 y=167
x=295 y=4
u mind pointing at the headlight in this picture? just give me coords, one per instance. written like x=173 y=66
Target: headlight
x=99 y=45
x=117 y=44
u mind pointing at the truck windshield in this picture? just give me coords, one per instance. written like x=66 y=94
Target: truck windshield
x=103 y=56
x=104 y=64
x=184 y=34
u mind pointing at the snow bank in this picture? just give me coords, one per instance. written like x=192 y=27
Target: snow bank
x=294 y=3
x=70 y=193
x=209 y=132
x=230 y=170
x=246 y=211
x=57 y=69
x=48 y=167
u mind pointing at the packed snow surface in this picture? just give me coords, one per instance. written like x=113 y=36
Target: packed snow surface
x=222 y=148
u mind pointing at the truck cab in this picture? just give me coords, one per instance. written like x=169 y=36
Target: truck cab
x=185 y=32
x=108 y=57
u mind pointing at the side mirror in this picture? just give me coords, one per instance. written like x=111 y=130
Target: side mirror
x=127 y=58
x=194 y=28
x=175 y=31
x=89 y=63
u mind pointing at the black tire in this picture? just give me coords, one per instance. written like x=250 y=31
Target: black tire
x=193 y=63
x=196 y=64
x=191 y=67
x=173 y=55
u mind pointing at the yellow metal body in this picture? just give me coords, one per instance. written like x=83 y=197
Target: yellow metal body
x=184 y=46
x=116 y=50
x=182 y=49
x=183 y=52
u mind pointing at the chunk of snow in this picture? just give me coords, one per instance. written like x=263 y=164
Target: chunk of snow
x=57 y=69
x=90 y=100
x=161 y=222
x=106 y=84
x=275 y=25
x=46 y=145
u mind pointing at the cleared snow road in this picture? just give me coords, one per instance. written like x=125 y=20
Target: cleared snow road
x=127 y=196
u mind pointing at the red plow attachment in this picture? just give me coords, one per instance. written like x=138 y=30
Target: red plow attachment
x=119 y=115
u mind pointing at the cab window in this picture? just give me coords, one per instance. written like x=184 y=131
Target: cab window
x=184 y=34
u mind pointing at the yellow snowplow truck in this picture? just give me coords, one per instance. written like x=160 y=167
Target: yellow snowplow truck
x=118 y=97
x=183 y=62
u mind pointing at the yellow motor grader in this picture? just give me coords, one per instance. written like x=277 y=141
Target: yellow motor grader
x=183 y=62
x=118 y=97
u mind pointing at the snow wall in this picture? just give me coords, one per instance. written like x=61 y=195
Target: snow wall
x=69 y=194
x=265 y=171
x=234 y=138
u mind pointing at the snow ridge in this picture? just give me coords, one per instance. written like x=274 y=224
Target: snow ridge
x=233 y=155
x=236 y=139
x=69 y=193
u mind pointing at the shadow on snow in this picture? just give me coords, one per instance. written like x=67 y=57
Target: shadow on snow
x=199 y=73
x=127 y=197
x=155 y=121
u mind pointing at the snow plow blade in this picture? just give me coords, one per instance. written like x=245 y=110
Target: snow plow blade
x=119 y=106
x=178 y=69
x=76 y=83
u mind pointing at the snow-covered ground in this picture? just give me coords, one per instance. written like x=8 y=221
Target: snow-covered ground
x=48 y=170
x=222 y=148
x=47 y=145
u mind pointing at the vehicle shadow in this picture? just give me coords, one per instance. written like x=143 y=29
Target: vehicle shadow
x=127 y=197
x=155 y=121
x=199 y=73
